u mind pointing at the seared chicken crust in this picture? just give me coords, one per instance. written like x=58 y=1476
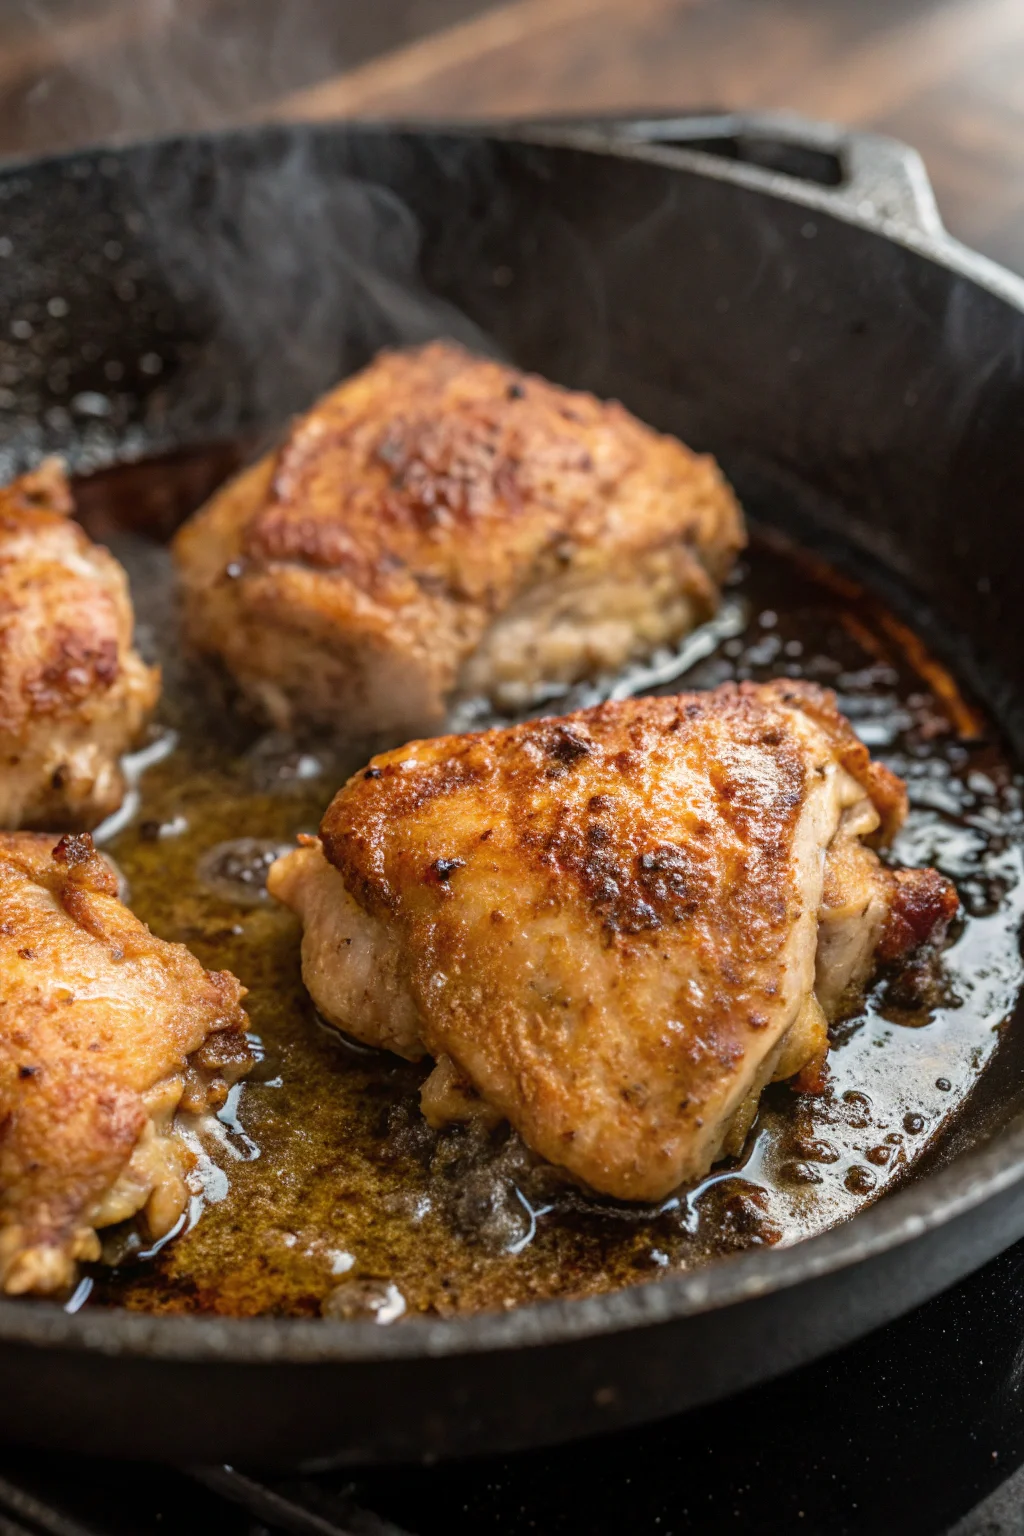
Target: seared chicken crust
x=613 y=928
x=442 y=526
x=105 y=1031
x=74 y=694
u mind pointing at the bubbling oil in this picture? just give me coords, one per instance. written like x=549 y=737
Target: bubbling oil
x=319 y=1189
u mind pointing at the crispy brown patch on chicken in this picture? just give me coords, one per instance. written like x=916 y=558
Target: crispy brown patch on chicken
x=615 y=928
x=105 y=1031
x=441 y=525
x=922 y=903
x=74 y=694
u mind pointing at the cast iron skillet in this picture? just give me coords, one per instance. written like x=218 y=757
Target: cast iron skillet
x=780 y=294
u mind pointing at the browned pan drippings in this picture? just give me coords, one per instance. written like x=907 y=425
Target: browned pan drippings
x=320 y=1188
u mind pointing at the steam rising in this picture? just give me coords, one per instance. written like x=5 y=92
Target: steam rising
x=301 y=276
x=189 y=293
x=194 y=290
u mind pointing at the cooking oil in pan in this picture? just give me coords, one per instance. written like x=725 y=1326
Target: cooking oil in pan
x=319 y=1188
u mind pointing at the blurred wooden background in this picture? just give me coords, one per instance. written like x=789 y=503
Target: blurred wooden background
x=946 y=75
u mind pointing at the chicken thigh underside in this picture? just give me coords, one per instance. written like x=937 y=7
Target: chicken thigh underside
x=105 y=1031
x=616 y=928
x=442 y=526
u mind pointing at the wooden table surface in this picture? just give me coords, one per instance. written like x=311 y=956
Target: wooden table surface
x=945 y=75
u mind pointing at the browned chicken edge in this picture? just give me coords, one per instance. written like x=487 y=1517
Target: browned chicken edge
x=106 y=1033
x=74 y=692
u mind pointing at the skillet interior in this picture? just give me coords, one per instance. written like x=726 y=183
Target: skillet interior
x=831 y=369
x=320 y=1186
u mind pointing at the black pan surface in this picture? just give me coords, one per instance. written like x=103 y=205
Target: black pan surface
x=780 y=295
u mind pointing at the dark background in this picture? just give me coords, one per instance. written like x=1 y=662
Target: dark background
x=946 y=75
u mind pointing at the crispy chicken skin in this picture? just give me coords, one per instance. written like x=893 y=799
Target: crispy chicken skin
x=73 y=692
x=443 y=526
x=614 y=928
x=105 y=1030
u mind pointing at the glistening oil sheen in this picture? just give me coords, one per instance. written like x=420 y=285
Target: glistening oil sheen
x=320 y=1189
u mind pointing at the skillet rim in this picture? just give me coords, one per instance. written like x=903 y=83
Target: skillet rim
x=969 y=1182
x=902 y=1217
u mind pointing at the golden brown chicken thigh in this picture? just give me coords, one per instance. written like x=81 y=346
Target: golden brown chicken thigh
x=614 y=928
x=441 y=526
x=74 y=694
x=105 y=1030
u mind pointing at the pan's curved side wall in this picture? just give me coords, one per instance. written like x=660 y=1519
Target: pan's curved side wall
x=282 y=1413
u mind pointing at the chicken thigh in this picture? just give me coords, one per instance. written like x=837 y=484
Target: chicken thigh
x=74 y=694
x=614 y=928
x=105 y=1031
x=442 y=527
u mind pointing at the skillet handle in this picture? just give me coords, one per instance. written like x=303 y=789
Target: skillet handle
x=865 y=173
